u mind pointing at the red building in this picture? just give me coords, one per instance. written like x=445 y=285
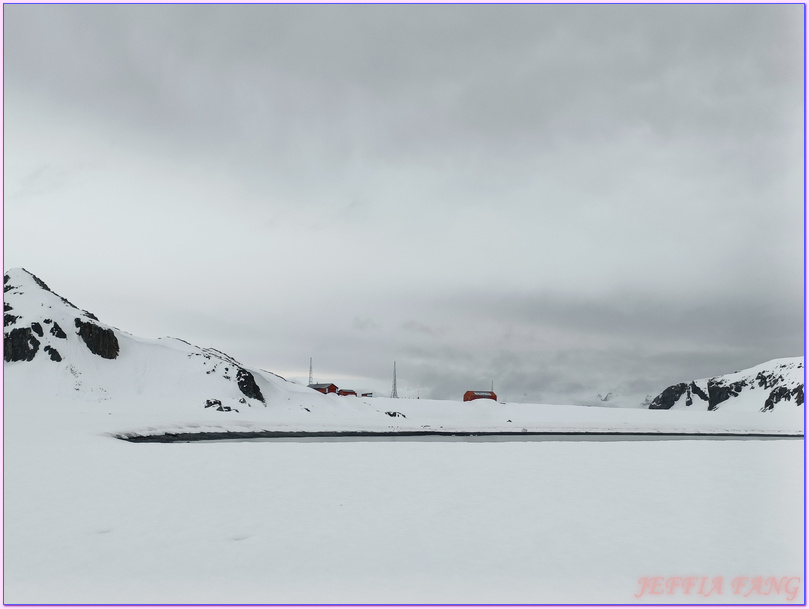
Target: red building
x=347 y=392
x=324 y=387
x=479 y=395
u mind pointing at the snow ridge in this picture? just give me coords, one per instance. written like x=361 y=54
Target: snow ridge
x=776 y=384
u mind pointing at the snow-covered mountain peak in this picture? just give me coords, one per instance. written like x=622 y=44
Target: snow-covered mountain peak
x=37 y=321
x=65 y=346
x=776 y=384
x=21 y=287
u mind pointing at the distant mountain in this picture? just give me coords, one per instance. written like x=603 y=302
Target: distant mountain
x=774 y=385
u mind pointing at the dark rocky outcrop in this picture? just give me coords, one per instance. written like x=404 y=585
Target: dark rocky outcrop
x=719 y=392
x=39 y=282
x=37 y=327
x=782 y=380
x=57 y=331
x=217 y=405
x=7 y=307
x=53 y=353
x=697 y=390
x=782 y=393
x=100 y=341
x=19 y=345
x=247 y=385
x=9 y=319
x=669 y=397
x=395 y=414
x=768 y=381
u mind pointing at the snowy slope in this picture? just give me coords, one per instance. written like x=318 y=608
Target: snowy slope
x=75 y=355
x=65 y=363
x=777 y=385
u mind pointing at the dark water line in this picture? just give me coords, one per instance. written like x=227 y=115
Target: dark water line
x=445 y=436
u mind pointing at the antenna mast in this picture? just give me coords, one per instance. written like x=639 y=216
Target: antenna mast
x=310 y=372
x=393 y=392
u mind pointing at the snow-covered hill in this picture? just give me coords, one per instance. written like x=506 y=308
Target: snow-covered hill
x=774 y=385
x=64 y=367
x=74 y=354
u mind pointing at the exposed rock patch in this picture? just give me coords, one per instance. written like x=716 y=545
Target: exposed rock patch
x=771 y=383
x=39 y=282
x=53 y=353
x=719 y=392
x=247 y=385
x=100 y=341
x=669 y=397
x=19 y=345
x=37 y=327
x=57 y=331
x=9 y=319
x=217 y=405
x=782 y=393
x=697 y=390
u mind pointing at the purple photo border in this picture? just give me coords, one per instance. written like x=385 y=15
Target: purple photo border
x=2 y=53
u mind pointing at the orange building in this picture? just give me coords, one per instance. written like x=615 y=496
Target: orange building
x=479 y=395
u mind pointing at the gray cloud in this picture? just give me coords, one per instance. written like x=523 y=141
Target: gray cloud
x=728 y=322
x=565 y=199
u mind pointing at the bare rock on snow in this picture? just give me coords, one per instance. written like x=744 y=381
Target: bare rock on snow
x=760 y=387
x=100 y=341
x=19 y=345
x=247 y=385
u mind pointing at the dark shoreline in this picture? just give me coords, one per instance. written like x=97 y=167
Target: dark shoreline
x=208 y=436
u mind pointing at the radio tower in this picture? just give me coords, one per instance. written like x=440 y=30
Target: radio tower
x=393 y=393
x=310 y=372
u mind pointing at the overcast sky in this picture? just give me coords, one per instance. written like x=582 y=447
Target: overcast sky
x=561 y=200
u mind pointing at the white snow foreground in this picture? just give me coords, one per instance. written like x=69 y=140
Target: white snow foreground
x=91 y=519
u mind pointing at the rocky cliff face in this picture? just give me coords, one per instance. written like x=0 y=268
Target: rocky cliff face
x=45 y=329
x=775 y=384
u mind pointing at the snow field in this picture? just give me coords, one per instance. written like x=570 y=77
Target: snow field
x=91 y=519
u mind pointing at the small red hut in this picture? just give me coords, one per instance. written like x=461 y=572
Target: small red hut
x=347 y=392
x=479 y=395
x=324 y=387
